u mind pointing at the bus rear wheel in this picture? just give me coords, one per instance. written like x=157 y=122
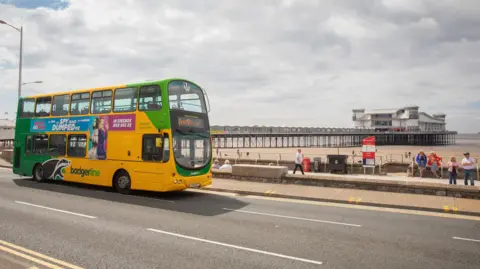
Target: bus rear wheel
x=122 y=182
x=37 y=174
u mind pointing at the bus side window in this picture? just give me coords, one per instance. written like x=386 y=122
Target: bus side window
x=43 y=106
x=149 y=98
x=28 y=145
x=166 y=148
x=40 y=144
x=27 y=108
x=79 y=103
x=101 y=102
x=125 y=100
x=77 y=146
x=57 y=145
x=152 y=148
x=60 y=105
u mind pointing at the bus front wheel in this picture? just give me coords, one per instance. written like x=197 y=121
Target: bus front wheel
x=122 y=182
x=38 y=173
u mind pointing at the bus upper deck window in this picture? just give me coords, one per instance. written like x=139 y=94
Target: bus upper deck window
x=101 y=102
x=79 y=104
x=125 y=100
x=60 y=105
x=149 y=98
x=43 y=106
x=27 y=108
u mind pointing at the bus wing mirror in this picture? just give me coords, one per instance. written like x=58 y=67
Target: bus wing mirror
x=159 y=142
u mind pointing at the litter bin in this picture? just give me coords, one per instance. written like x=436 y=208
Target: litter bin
x=306 y=164
x=337 y=163
x=316 y=164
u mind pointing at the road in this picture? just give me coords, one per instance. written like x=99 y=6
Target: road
x=88 y=227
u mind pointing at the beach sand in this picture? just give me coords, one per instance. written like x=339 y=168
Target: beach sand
x=470 y=143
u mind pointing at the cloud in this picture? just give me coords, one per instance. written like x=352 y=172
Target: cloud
x=303 y=63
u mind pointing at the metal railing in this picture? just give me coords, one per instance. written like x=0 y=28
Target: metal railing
x=380 y=160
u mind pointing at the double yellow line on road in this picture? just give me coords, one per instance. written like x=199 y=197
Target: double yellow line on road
x=35 y=257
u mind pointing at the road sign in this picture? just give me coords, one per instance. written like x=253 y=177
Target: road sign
x=368 y=151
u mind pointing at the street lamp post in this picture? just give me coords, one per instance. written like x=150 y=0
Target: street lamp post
x=21 y=54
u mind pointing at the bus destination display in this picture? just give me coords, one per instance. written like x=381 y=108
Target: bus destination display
x=190 y=122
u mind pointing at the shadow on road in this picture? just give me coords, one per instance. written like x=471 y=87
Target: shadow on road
x=181 y=201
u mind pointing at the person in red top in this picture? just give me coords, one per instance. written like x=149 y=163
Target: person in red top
x=434 y=161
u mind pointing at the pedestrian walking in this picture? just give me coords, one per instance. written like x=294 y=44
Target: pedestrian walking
x=299 y=162
x=468 y=165
x=216 y=164
x=434 y=163
x=421 y=160
x=452 y=171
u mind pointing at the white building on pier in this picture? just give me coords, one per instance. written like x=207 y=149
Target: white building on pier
x=398 y=120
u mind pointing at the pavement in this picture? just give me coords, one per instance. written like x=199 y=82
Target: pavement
x=351 y=196
x=389 y=177
x=5 y=164
x=80 y=226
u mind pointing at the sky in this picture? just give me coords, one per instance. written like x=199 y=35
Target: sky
x=270 y=62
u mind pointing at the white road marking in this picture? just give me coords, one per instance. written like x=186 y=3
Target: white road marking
x=297 y=218
x=466 y=239
x=236 y=247
x=57 y=210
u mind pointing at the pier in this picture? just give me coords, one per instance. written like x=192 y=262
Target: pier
x=329 y=139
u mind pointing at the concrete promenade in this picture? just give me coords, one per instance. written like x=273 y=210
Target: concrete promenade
x=389 y=177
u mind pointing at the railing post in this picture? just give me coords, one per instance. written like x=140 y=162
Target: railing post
x=413 y=175
x=476 y=162
x=441 y=169
x=351 y=166
x=380 y=166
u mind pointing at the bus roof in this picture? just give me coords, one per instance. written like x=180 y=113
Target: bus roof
x=111 y=87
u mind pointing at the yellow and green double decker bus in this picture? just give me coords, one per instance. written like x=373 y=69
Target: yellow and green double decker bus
x=152 y=136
